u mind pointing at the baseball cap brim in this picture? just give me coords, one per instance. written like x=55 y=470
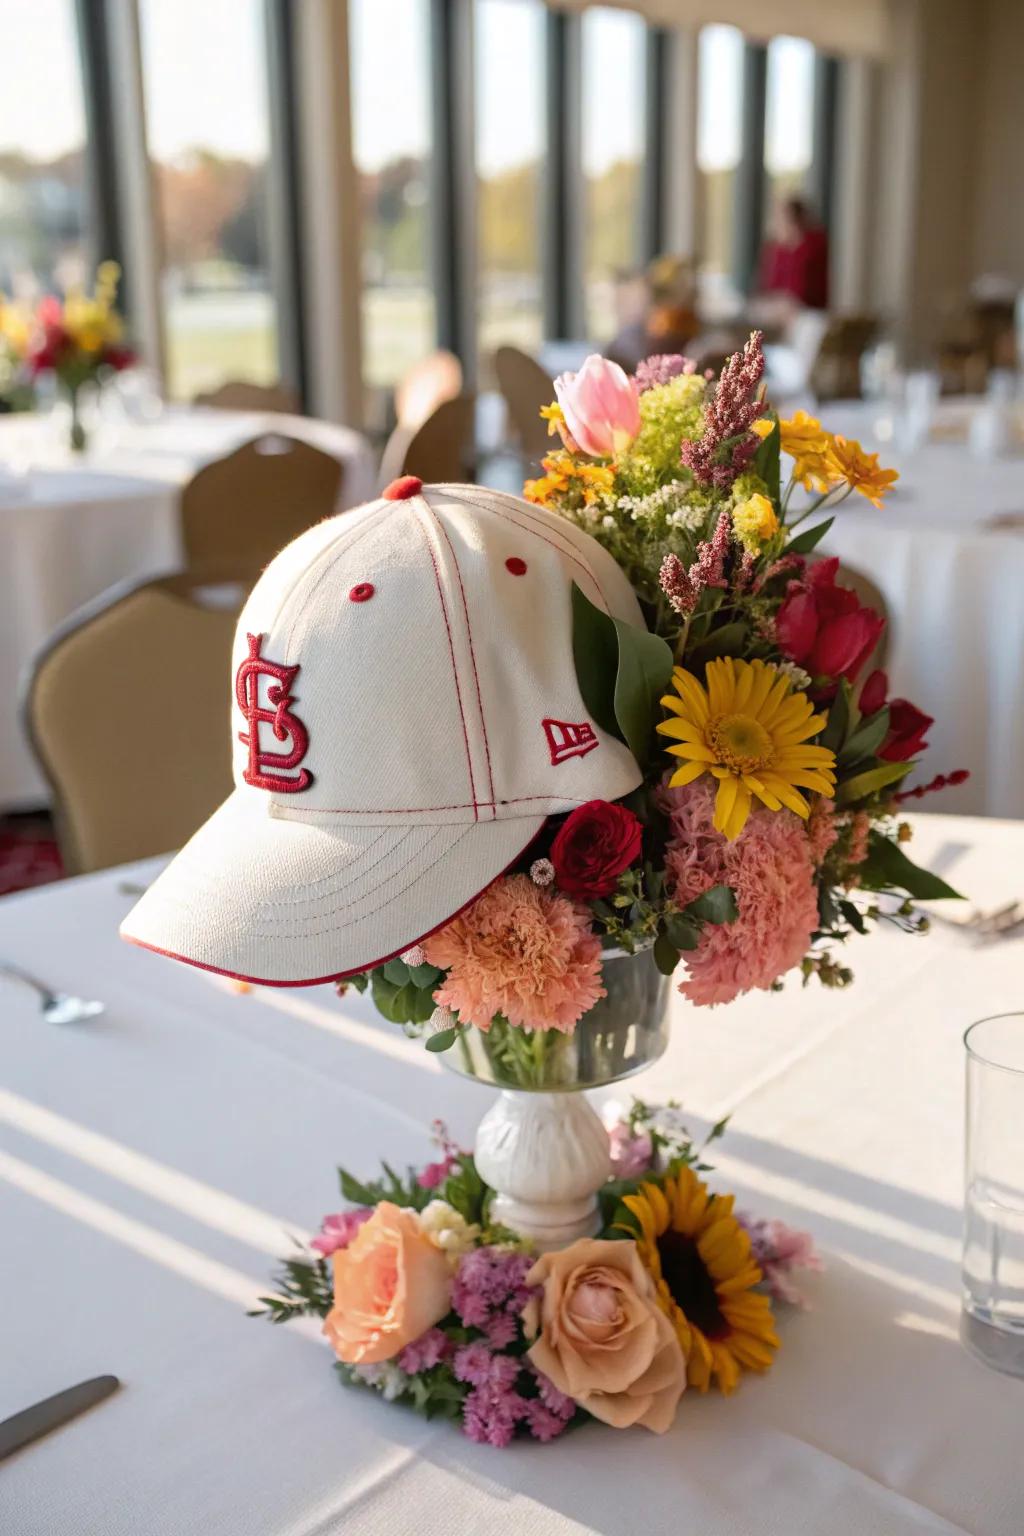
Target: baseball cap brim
x=291 y=904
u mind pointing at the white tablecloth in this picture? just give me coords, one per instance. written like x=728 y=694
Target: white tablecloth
x=953 y=586
x=69 y=530
x=151 y=1161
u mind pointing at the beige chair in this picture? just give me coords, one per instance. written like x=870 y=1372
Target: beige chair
x=127 y=713
x=438 y=451
x=525 y=387
x=237 y=512
x=239 y=395
x=428 y=384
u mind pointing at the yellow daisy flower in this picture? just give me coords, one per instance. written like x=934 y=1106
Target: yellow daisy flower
x=750 y=729
x=861 y=470
x=699 y=1258
x=808 y=444
x=564 y=477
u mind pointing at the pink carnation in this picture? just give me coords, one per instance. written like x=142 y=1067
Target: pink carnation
x=821 y=828
x=769 y=868
x=338 y=1231
x=521 y=951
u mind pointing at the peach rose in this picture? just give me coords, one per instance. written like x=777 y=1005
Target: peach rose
x=603 y=1339
x=390 y=1285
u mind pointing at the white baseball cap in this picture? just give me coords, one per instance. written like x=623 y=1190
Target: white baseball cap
x=405 y=715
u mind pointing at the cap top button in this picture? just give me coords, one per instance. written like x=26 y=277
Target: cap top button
x=402 y=488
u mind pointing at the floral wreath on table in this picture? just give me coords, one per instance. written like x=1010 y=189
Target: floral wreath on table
x=427 y=1304
x=769 y=841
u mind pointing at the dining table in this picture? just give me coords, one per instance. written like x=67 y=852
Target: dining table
x=74 y=525
x=157 y=1160
x=946 y=552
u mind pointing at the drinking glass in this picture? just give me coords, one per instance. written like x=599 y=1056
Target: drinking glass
x=992 y=1324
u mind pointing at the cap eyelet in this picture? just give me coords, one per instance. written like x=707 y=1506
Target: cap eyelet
x=515 y=566
x=362 y=592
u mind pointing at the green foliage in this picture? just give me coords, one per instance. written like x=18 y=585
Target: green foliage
x=718 y=905
x=766 y=460
x=622 y=671
x=399 y=997
x=304 y=1288
x=804 y=542
x=888 y=868
x=595 y=649
x=870 y=782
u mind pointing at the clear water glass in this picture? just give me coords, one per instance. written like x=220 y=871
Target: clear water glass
x=992 y=1325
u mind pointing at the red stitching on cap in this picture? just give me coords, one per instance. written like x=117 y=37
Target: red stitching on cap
x=472 y=652
x=528 y=528
x=455 y=670
x=515 y=565
x=362 y=591
x=285 y=724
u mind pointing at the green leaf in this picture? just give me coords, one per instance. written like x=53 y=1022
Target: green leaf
x=397 y=972
x=853 y=916
x=868 y=783
x=666 y=956
x=595 y=650
x=442 y=1041
x=766 y=459
x=806 y=541
x=355 y=1192
x=867 y=738
x=729 y=640
x=681 y=934
x=887 y=867
x=424 y=975
x=644 y=672
x=715 y=906
x=837 y=726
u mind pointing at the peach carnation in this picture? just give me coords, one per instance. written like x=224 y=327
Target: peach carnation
x=821 y=828
x=521 y=951
x=768 y=866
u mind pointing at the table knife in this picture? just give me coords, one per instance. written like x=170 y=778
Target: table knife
x=32 y=1423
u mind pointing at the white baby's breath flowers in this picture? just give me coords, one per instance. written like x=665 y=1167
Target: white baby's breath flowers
x=542 y=871
x=414 y=956
x=386 y=1376
x=797 y=676
x=442 y=1018
x=447 y=1229
x=668 y=501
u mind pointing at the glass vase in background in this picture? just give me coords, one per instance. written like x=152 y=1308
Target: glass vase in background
x=993 y=1267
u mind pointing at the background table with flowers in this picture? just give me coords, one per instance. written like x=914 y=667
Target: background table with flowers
x=151 y=1162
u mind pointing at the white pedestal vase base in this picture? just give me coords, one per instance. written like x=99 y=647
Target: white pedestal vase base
x=545 y=1155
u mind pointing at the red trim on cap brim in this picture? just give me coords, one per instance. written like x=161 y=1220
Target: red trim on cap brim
x=355 y=970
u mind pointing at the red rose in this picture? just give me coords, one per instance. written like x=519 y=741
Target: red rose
x=908 y=725
x=593 y=846
x=825 y=627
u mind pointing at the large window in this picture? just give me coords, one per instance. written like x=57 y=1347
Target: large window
x=613 y=150
x=789 y=116
x=390 y=53
x=510 y=147
x=720 y=86
x=42 y=151
x=207 y=121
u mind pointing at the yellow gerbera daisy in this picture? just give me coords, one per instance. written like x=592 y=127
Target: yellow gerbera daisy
x=699 y=1258
x=749 y=728
x=861 y=470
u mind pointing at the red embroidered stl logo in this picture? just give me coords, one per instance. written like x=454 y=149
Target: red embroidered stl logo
x=286 y=726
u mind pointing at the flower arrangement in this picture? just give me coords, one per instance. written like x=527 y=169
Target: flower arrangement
x=767 y=828
x=426 y=1303
x=79 y=339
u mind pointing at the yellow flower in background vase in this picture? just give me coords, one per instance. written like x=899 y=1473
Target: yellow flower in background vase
x=750 y=729
x=699 y=1258
x=755 y=522
x=861 y=470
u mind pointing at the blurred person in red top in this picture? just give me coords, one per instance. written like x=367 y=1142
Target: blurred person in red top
x=795 y=263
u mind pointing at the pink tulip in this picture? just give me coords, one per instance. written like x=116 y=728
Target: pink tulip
x=601 y=407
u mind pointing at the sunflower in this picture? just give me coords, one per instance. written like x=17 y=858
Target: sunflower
x=699 y=1258
x=749 y=728
x=861 y=470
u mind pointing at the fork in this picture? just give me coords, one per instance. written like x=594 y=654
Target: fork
x=56 y=1007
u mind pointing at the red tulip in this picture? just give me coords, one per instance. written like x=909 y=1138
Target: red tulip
x=825 y=626
x=874 y=693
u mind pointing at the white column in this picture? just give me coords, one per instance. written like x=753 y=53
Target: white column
x=855 y=188
x=142 y=233
x=682 y=232
x=330 y=199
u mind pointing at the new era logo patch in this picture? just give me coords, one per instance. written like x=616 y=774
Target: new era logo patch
x=568 y=739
